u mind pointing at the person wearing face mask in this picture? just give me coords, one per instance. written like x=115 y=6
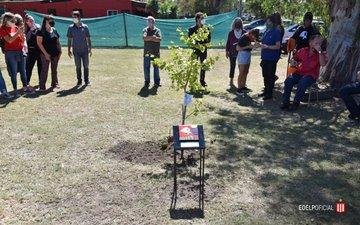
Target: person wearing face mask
x=13 y=48
x=307 y=61
x=152 y=38
x=49 y=45
x=79 y=41
x=304 y=32
x=200 y=23
x=270 y=54
x=231 y=53
x=33 y=55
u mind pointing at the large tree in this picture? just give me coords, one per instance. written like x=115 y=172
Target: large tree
x=344 y=42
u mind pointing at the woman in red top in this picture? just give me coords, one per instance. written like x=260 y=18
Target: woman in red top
x=308 y=61
x=14 y=40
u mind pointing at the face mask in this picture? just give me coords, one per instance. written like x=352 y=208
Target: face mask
x=75 y=20
x=202 y=21
x=237 y=33
x=269 y=26
x=52 y=23
x=10 y=24
x=150 y=24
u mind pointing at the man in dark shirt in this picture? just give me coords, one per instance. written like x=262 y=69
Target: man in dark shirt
x=303 y=33
x=152 y=38
x=200 y=23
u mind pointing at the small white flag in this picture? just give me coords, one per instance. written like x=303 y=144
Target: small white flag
x=187 y=99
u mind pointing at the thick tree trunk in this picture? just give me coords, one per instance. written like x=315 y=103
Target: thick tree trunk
x=344 y=43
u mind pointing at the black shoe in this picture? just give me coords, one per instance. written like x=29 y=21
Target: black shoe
x=261 y=94
x=285 y=106
x=79 y=83
x=157 y=85
x=294 y=106
x=267 y=97
x=246 y=89
x=240 y=91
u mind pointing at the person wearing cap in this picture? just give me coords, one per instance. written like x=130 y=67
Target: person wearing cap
x=200 y=23
x=347 y=94
x=33 y=55
x=303 y=33
x=79 y=41
x=152 y=38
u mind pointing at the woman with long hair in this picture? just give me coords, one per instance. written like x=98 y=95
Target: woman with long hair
x=33 y=55
x=49 y=45
x=231 y=53
x=14 y=40
x=245 y=46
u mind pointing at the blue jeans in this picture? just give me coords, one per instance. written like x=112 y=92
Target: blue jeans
x=84 y=58
x=346 y=93
x=147 y=64
x=303 y=83
x=2 y=84
x=16 y=62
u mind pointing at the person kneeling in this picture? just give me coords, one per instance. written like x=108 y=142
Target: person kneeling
x=307 y=62
x=347 y=94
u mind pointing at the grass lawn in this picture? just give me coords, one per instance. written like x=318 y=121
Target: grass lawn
x=92 y=155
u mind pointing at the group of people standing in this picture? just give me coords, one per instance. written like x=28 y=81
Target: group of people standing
x=240 y=44
x=25 y=44
x=152 y=38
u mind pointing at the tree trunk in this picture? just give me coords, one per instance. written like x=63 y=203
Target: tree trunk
x=344 y=43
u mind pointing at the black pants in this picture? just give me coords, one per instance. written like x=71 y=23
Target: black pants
x=202 y=56
x=268 y=72
x=232 y=66
x=30 y=63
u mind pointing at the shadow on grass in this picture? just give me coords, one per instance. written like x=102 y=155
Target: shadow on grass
x=186 y=214
x=72 y=91
x=304 y=157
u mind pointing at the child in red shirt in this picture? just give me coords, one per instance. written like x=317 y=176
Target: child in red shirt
x=307 y=61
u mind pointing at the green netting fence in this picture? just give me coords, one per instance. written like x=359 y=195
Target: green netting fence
x=125 y=30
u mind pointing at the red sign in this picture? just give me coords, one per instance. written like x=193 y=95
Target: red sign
x=340 y=207
x=188 y=133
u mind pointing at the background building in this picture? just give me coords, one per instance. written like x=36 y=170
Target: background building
x=88 y=8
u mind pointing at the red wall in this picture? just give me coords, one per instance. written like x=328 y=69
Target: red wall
x=90 y=8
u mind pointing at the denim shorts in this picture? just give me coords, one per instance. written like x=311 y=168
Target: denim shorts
x=244 y=57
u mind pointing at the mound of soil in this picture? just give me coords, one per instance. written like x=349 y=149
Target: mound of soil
x=146 y=153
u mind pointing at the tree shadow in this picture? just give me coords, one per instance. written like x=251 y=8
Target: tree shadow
x=304 y=157
x=72 y=91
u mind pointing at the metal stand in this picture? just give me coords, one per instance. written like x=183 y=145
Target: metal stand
x=201 y=179
x=189 y=145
